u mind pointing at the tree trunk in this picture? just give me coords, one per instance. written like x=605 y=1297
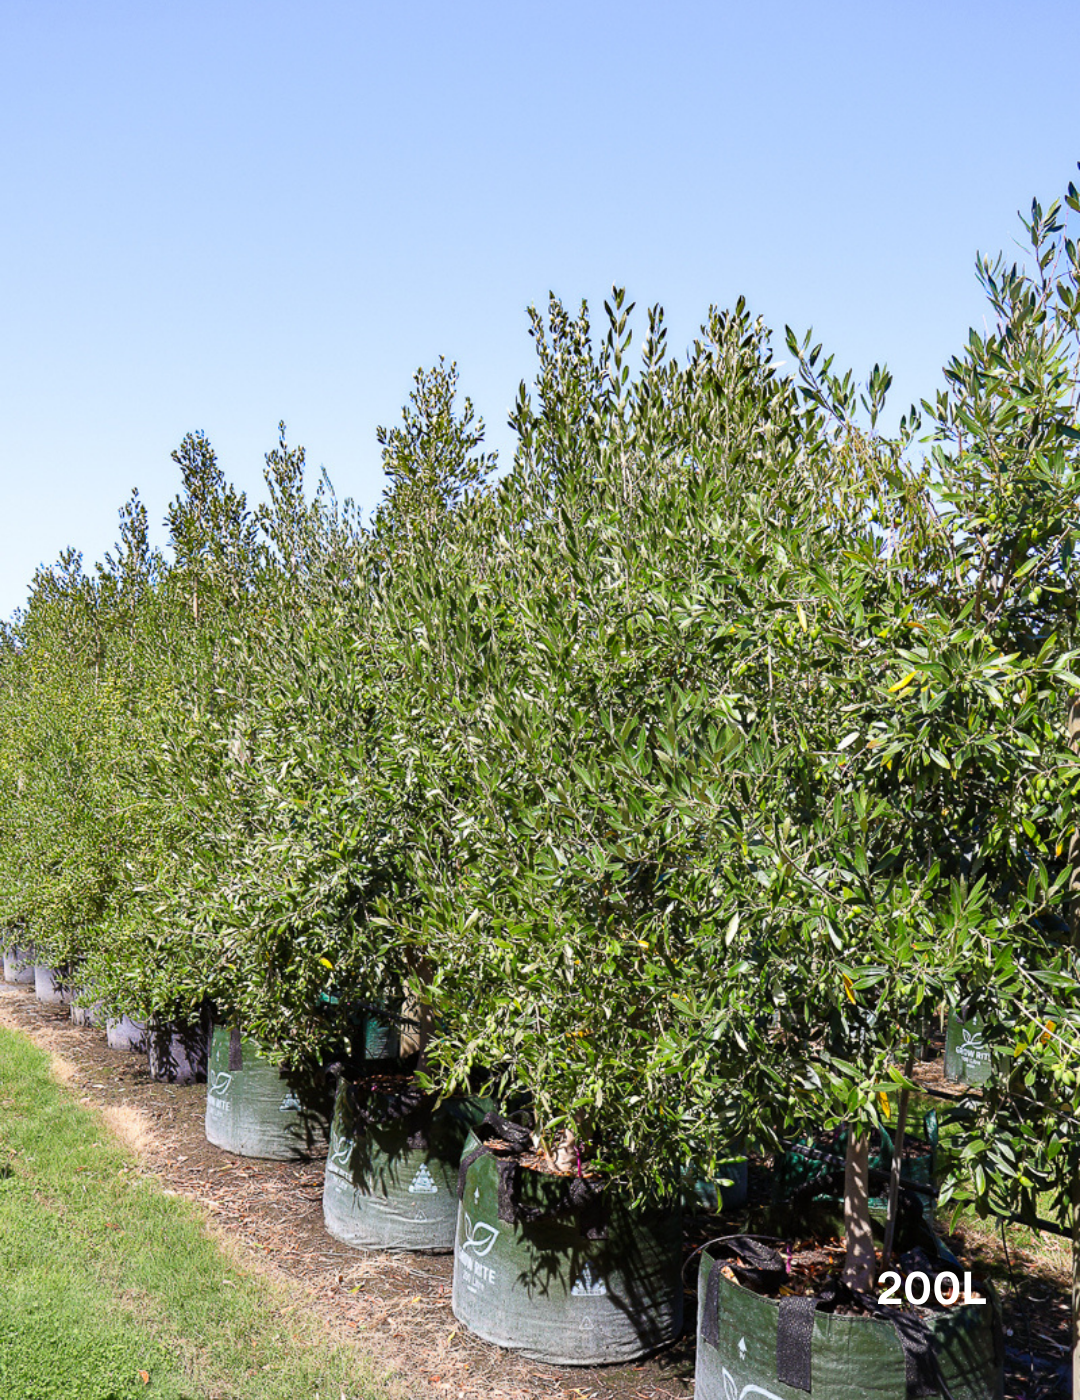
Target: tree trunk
x=860 y=1264
x=894 y=1174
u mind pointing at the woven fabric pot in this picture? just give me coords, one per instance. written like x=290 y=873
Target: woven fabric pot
x=49 y=985
x=806 y=1177
x=379 y=1039
x=125 y=1034
x=19 y=965
x=177 y=1052
x=393 y=1184
x=745 y=1353
x=702 y=1193
x=549 y=1287
x=967 y=1060
x=256 y=1110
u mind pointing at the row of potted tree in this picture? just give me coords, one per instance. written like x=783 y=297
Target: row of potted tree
x=662 y=784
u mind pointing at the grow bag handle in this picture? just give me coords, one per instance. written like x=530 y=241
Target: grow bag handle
x=795 y=1328
x=578 y=1196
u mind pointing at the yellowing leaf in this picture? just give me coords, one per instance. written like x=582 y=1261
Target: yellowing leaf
x=902 y=683
x=1045 y=1038
x=883 y=1104
x=849 y=987
x=327 y=963
x=802 y=616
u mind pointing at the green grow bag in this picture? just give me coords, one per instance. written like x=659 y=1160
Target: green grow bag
x=392 y=1171
x=967 y=1060
x=257 y=1110
x=549 y=1287
x=702 y=1193
x=379 y=1038
x=800 y=1176
x=19 y=965
x=742 y=1351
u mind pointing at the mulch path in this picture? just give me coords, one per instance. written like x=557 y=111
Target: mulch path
x=396 y=1307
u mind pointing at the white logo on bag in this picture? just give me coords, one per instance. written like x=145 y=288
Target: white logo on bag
x=478 y=1238
x=219 y=1084
x=289 y=1101
x=422 y=1183
x=972 y=1048
x=732 y=1392
x=742 y=1348
x=339 y=1158
x=588 y=1285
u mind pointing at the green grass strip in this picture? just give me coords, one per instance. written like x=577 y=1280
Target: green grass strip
x=105 y=1280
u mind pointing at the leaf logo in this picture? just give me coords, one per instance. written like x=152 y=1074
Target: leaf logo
x=972 y=1040
x=732 y=1392
x=341 y=1154
x=219 y=1084
x=478 y=1238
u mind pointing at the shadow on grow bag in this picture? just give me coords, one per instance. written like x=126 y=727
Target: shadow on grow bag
x=754 y=1347
x=967 y=1059
x=815 y=1171
x=177 y=1052
x=392 y=1170
x=85 y=1011
x=257 y=1110
x=19 y=965
x=122 y=1033
x=557 y=1267
x=49 y=985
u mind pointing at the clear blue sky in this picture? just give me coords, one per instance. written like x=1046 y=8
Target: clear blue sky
x=219 y=215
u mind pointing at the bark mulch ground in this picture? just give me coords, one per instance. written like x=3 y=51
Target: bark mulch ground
x=396 y=1307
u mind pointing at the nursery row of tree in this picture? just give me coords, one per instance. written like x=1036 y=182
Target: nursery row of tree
x=669 y=779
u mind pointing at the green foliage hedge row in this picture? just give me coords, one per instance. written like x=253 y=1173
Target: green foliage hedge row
x=678 y=772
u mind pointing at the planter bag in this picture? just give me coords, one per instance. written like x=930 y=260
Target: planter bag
x=379 y=1037
x=19 y=965
x=967 y=1060
x=86 y=1015
x=373 y=1028
x=392 y=1170
x=556 y=1268
x=755 y=1348
x=817 y=1173
x=125 y=1034
x=177 y=1053
x=256 y=1110
x=701 y=1193
x=49 y=986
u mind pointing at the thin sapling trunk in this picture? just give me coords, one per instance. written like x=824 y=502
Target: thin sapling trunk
x=894 y=1173
x=860 y=1263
